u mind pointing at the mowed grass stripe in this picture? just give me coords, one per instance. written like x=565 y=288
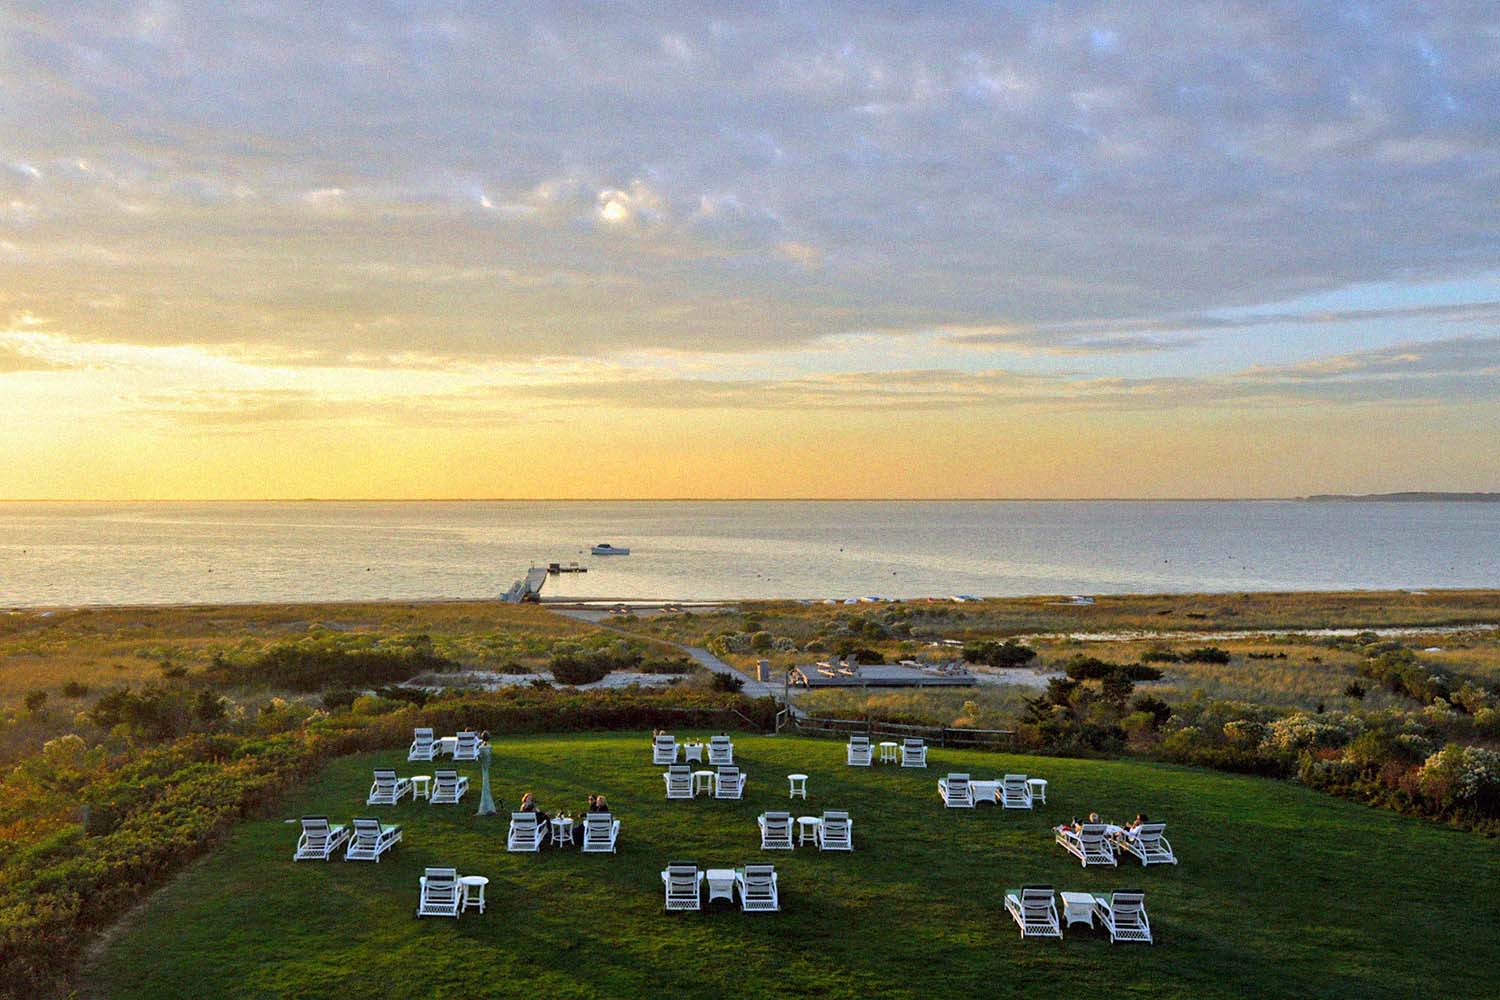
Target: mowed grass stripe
x=1281 y=891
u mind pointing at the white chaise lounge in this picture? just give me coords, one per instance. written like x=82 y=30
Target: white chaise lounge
x=720 y=751
x=1015 y=792
x=1034 y=909
x=439 y=894
x=1123 y=914
x=423 y=746
x=913 y=753
x=387 y=789
x=1089 y=845
x=729 y=783
x=525 y=834
x=836 y=832
x=467 y=747
x=447 y=788
x=775 y=831
x=679 y=779
x=371 y=839
x=1148 y=844
x=758 y=890
x=600 y=832
x=319 y=840
x=664 y=750
x=956 y=792
x=681 y=880
x=860 y=754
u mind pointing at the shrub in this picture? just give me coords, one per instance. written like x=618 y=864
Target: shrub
x=574 y=670
x=1312 y=732
x=339 y=698
x=1206 y=654
x=321 y=662
x=1091 y=668
x=728 y=682
x=73 y=689
x=35 y=700
x=1160 y=656
x=999 y=654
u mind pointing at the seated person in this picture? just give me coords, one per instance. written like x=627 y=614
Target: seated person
x=597 y=804
x=528 y=805
x=1133 y=827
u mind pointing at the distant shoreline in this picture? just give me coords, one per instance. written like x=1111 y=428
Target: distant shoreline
x=1413 y=496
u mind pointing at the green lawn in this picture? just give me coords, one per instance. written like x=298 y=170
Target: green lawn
x=1281 y=892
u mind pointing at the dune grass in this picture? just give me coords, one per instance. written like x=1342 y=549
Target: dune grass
x=1281 y=892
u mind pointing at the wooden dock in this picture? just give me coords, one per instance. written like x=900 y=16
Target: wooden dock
x=529 y=589
x=875 y=675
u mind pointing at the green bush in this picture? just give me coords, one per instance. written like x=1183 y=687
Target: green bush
x=1206 y=654
x=575 y=670
x=999 y=654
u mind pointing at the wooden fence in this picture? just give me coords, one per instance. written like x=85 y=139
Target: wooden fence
x=939 y=736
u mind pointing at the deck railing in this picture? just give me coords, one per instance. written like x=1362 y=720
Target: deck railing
x=940 y=736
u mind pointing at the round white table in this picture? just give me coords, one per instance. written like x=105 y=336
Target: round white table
x=888 y=752
x=473 y=890
x=807 y=826
x=421 y=787
x=798 y=783
x=562 y=830
x=703 y=781
x=1038 y=789
x=720 y=883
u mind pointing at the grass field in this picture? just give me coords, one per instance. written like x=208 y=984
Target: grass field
x=1281 y=892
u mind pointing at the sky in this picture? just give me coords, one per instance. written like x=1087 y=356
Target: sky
x=412 y=250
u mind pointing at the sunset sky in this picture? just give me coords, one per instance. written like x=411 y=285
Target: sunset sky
x=459 y=250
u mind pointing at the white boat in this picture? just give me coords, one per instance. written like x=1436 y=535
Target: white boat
x=606 y=549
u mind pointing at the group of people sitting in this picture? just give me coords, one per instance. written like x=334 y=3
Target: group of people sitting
x=596 y=804
x=1110 y=829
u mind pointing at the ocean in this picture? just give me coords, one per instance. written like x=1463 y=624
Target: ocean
x=168 y=553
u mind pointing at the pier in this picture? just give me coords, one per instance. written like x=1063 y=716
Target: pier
x=529 y=589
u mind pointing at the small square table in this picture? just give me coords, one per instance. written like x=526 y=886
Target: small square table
x=720 y=883
x=692 y=751
x=1078 y=908
x=985 y=791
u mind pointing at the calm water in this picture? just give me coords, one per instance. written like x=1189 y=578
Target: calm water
x=235 y=552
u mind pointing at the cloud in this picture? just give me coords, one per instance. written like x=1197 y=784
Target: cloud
x=737 y=179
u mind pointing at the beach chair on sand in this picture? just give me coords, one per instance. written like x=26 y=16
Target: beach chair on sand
x=956 y=791
x=1123 y=914
x=1089 y=845
x=729 y=783
x=664 y=750
x=319 y=840
x=439 y=893
x=370 y=840
x=600 y=831
x=467 y=747
x=1148 y=844
x=720 y=751
x=1015 y=792
x=423 y=746
x=836 y=832
x=913 y=753
x=775 y=831
x=860 y=753
x=387 y=789
x=757 y=885
x=526 y=834
x=681 y=880
x=679 y=779
x=447 y=788
x=1034 y=909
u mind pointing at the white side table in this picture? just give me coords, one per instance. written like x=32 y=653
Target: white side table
x=473 y=891
x=421 y=787
x=1038 y=789
x=1078 y=908
x=703 y=781
x=447 y=745
x=720 y=883
x=888 y=753
x=798 y=783
x=562 y=830
x=807 y=828
x=692 y=751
